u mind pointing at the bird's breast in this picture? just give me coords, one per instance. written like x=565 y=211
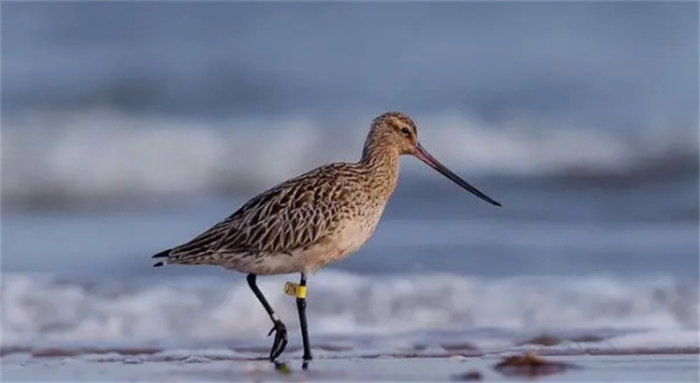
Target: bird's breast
x=355 y=231
x=350 y=234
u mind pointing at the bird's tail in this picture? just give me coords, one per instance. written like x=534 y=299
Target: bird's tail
x=162 y=254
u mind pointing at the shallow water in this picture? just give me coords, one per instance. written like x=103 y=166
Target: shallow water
x=449 y=263
x=676 y=368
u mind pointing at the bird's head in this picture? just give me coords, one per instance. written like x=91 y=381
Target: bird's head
x=395 y=131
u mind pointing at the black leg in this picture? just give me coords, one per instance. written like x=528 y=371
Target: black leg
x=279 y=328
x=301 y=307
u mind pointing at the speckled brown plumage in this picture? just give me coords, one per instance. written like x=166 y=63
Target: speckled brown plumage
x=313 y=219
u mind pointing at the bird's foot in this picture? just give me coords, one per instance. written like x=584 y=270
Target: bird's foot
x=306 y=359
x=280 y=342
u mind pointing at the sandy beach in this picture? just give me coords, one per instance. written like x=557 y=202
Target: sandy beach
x=636 y=357
x=669 y=368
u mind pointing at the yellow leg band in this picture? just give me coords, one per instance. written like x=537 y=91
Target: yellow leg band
x=295 y=290
x=301 y=292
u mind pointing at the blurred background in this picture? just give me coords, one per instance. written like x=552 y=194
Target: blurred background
x=129 y=128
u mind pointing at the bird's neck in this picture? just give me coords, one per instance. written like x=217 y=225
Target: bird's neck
x=382 y=164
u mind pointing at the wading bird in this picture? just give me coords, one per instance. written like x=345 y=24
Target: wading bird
x=307 y=222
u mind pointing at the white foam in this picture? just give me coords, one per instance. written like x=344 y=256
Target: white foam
x=42 y=309
x=106 y=154
x=98 y=155
x=656 y=340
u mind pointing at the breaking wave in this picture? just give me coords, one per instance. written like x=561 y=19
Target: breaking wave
x=102 y=156
x=41 y=308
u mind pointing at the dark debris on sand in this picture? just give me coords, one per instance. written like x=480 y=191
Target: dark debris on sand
x=469 y=376
x=531 y=365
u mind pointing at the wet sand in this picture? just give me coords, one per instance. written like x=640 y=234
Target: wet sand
x=648 y=367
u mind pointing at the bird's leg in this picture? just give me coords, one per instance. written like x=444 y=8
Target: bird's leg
x=279 y=328
x=301 y=307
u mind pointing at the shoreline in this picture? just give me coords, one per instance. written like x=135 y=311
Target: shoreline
x=245 y=355
x=627 y=367
x=635 y=357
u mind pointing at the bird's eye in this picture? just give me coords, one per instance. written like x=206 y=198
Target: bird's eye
x=406 y=131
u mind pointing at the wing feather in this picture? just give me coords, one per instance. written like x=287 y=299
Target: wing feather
x=291 y=216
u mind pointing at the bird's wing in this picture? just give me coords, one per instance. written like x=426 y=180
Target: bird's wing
x=291 y=216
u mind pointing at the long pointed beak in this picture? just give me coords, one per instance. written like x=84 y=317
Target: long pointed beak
x=424 y=156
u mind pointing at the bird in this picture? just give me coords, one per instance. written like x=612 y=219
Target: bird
x=312 y=220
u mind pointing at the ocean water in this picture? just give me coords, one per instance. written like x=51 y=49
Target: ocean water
x=129 y=128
